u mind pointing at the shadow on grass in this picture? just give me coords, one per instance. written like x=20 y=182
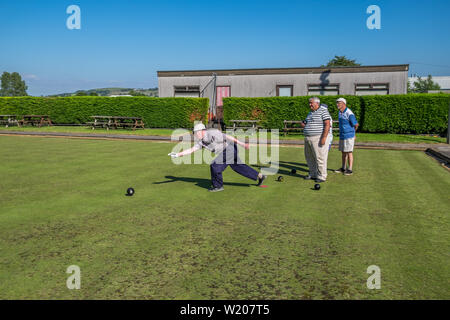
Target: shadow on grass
x=296 y=166
x=287 y=167
x=202 y=183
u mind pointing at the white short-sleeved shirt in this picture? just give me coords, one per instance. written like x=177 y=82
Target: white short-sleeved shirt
x=214 y=141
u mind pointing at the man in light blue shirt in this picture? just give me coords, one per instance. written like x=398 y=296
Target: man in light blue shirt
x=347 y=132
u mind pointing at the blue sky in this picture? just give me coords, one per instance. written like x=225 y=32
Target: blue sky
x=124 y=43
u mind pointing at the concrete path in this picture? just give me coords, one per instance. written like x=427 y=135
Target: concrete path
x=437 y=148
x=440 y=152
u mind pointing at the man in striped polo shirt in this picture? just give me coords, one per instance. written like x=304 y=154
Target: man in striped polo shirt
x=317 y=140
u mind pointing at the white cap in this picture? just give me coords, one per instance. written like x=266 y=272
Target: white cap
x=199 y=127
x=342 y=100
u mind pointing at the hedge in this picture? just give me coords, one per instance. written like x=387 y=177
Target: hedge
x=156 y=112
x=413 y=113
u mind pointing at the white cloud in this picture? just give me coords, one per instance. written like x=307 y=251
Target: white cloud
x=30 y=77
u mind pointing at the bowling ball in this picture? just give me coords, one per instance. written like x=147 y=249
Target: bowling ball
x=130 y=192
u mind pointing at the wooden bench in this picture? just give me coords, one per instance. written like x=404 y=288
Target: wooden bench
x=294 y=125
x=237 y=124
x=8 y=119
x=128 y=122
x=35 y=120
x=116 y=122
x=100 y=122
x=290 y=125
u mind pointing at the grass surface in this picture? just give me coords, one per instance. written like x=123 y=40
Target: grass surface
x=361 y=137
x=82 y=129
x=63 y=203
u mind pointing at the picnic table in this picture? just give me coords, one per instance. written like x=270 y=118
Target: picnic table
x=8 y=119
x=128 y=122
x=294 y=125
x=237 y=124
x=100 y=121
x=35 y=120
x=116 y=122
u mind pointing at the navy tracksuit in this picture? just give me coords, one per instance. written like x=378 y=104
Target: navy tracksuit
x=230 y=157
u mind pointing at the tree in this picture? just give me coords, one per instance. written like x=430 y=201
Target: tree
x=93 y=93
x=6 y=90
x=409 y=89
x=424 y=85
x=135 y=93
x=342 y=61
x=18 y=85
x=81 y=93
x=12 y=85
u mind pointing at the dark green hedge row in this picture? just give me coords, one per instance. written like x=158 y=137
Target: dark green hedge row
x=273 y=111
x=411 y=113
x=416 y=113
x=156 y=112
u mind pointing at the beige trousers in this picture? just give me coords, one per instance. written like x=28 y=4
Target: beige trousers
x=317 y=157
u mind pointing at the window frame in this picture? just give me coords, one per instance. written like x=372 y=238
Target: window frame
x=371 y=85
x=188 y=89
x=290 y=86
x=337 y=85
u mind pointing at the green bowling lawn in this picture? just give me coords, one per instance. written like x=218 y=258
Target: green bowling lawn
x=62 y=203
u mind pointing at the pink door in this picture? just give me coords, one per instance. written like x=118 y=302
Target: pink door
x=222 y=92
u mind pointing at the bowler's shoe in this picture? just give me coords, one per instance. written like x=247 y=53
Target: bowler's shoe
x=216 y=189
x=260 y=180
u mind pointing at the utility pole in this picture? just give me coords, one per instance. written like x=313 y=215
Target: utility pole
x=212 y=112
x=448 y=126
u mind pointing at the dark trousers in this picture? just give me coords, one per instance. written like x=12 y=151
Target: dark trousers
x=230 y=157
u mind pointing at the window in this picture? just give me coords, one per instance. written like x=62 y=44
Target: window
x=323 y=90
x=285 y=91
x=187 y=91
x=372 y=89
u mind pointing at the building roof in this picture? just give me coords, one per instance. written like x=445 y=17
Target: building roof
x=268 y=71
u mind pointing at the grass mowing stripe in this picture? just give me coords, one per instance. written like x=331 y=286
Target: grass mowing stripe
x=405 y=227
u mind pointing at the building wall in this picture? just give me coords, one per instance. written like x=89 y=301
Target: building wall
x=265 y=85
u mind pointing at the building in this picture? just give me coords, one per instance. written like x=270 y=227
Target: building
x=443 y=82
x=363 y=80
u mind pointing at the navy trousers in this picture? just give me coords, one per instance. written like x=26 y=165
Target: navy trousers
x=230 y=157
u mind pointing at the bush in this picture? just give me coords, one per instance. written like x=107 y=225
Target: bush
x=156 y=112
x=412 y=113
x=273 y=111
